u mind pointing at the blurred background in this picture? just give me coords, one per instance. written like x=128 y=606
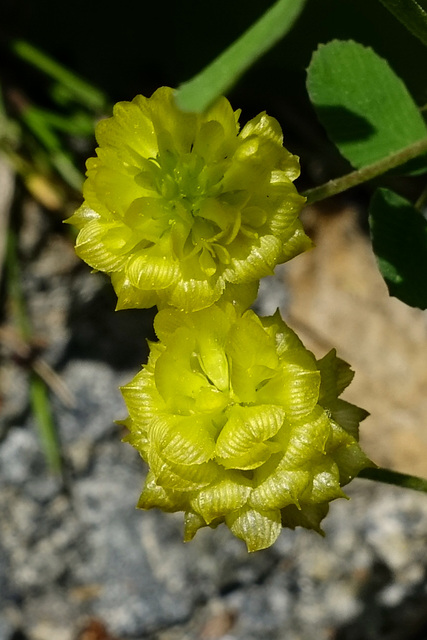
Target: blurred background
x=77 y=561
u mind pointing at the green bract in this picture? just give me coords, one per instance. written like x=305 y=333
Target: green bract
x=179 y=205
x=240 y=424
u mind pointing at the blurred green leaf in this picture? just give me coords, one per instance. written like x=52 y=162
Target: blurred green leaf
x=217 y=78
x=410 y=14
x=363 y=105
x=39 y=125
x=78 y=89
x=78 y=123
x=399 y=240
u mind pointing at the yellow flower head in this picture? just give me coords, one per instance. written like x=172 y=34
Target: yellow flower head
x=178 y=206
x=240 y=424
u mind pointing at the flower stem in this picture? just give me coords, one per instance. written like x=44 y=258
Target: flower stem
x=394 y=477
x=338 y=185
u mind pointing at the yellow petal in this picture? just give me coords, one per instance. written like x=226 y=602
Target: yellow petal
x=129 y=127
x=308 y=439
x=192 y=523
x=180 y=477
x=295 y=386
x=227 y=495
x=128 y=296
x=91 y=246
x=280 y=489
x=155 y=496
x=184 y=440
x=259 y=529
x=146 y=271
x=259 y=453
x=247 y=427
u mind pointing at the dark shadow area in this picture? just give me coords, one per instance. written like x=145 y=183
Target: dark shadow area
x=18 y=635
x=346 y=125
x=407 y=621
x=399 y=238
x=100 y=333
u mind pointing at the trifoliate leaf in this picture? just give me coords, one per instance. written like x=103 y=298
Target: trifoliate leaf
x=363 y=105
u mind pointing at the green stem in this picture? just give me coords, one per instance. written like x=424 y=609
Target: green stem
x=394 y=477
x=226 y=69
x=338 y=185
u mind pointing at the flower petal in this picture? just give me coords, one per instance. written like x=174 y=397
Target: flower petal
x=184 y=440
x=247 y=427
x=91 y=246
x=155 y=496
x=180 y=477
x=147 y=271
x=295 y=386
x=128 y=296
x=192 y=523
x=280 y=489
x=308 y=439
x=227 y=495
x=259 y=529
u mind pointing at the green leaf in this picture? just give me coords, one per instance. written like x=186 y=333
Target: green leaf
x=217 y=78
x=364 y=107
x=399 y=239
x=410 y=14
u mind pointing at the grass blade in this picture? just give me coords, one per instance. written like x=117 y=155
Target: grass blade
x=82 y=91
x=217 y=78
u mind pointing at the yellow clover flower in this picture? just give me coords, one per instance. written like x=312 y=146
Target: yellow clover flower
x=240 y=424
x=178 y=205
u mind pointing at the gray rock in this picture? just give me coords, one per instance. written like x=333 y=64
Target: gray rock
x=97 y=402
x=80 y=548
x=14 y=394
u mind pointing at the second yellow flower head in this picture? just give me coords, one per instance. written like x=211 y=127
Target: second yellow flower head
x=241 y=425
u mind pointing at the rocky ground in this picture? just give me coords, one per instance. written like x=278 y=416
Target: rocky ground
x=78 y=562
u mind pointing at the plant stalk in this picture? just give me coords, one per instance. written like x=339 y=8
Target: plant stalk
x=353 y=179
x=394 y=477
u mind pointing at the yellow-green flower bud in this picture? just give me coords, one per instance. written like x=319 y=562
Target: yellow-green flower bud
x=179 y=205
x=240 y=424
